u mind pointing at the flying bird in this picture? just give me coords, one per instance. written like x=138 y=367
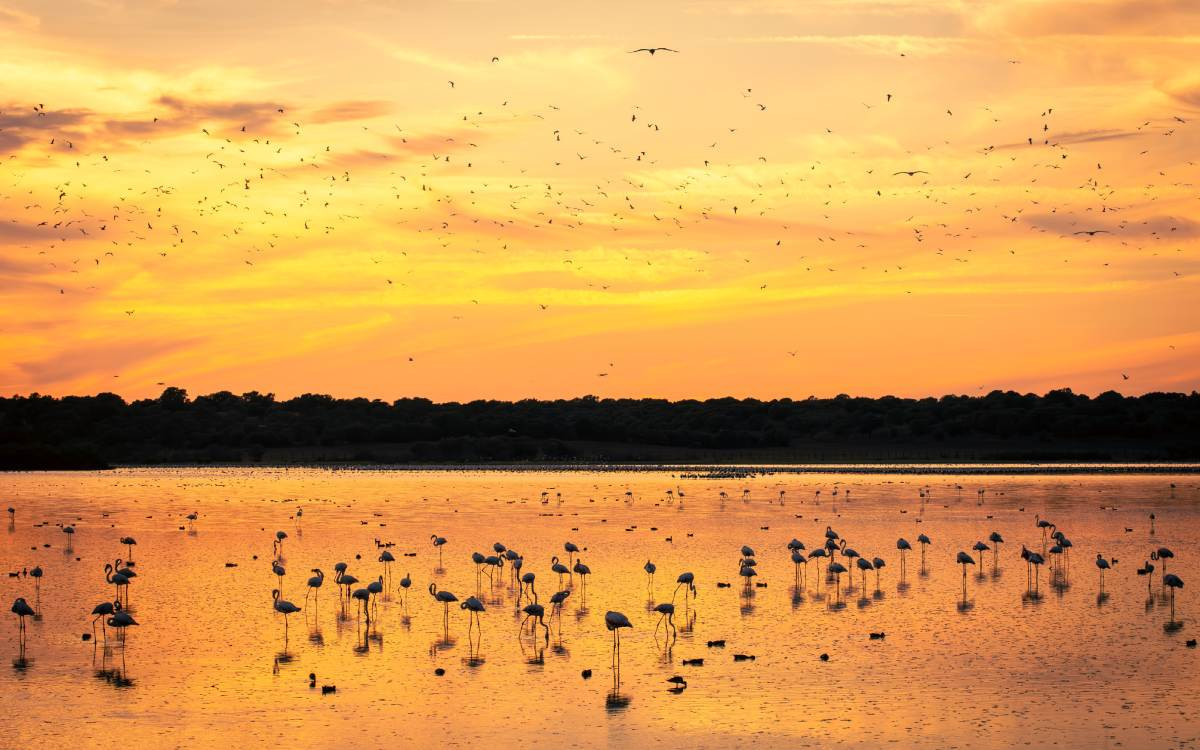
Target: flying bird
x=652 y=50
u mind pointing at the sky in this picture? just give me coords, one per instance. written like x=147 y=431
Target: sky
x=470 y=199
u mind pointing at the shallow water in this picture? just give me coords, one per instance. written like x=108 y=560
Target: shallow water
x=209 y=658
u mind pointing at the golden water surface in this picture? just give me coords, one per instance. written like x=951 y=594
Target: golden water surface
x=210 y=660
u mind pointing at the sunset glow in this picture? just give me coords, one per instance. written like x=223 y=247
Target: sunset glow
x=480 y=200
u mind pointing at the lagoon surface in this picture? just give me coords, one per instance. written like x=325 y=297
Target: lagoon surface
x=210 y=661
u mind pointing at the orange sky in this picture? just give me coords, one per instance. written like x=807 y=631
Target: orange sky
x=573 y=219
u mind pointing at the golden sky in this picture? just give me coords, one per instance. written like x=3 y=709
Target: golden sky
x=479 y=199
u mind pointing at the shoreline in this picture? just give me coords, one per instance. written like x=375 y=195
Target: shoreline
x=702 y=470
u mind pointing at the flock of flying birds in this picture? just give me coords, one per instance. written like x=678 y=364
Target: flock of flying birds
x=265 y=188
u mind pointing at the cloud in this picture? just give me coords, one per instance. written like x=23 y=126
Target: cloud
x=1091 y=17
x=17 y=19
x=889 y=44
x=1150 y=226
x=100 y=358
x=350 y=110
x=1078 y=136
x=21 y=124
x=255 y=115
x=1184 y=89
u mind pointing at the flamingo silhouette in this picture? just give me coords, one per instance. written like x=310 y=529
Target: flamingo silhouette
x=446 y=598
x=688 y=582
x=614 y=621
x=282 y=606
x=314 y=585
x=1103 y=565
x=666 y=612
x=473 y=607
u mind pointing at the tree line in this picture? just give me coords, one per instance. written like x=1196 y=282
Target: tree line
x=45 y=432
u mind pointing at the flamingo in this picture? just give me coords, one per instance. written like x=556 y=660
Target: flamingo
x=347 y=580
x=405 y=583
x=798 y=559
x=666 y=612
x=512 y=556
x=375 y=588
x=473 y=607
x=649 y=567
x=925 y=542
x=557 y=567
x=36 y=575
x=818 y=553
x=747 y=572
x=279 y=572
x=864 y=565
x=614 y=621
x=996 y=541
x=1170 y=580
x=836 y=568
x=527 y=582
x=1148 y=570
x=445 y=597
x=1036 y=561
x=439 y=542
x=129 y=543
x=877 y=563
x=364 y=596
x=571 y=549
x=122 y=620
x=70 y=532
x=1103 y=565
x=1066 y=548
x=536 y=612
x=829 y=532
x=583 y=571
x=314 y=584
x=387 y=558
x=495 y=563
x=124 y=570
x=849 y=554
x=1162 y=553
x=980 y=547
x=517 y=564
x=279 y=537
x=100 y=611
x=282 y=606
x=964 y=560
x=478 y=559
x=688 y=580
x=1043 y=524
x=902 y=545
x=116 y=579
x=556 y=602
x=21 y=609
x=1055 y=550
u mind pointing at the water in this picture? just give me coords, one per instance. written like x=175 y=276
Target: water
x=209 y=657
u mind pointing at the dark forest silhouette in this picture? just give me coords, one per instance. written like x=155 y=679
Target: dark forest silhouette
x=43 y=432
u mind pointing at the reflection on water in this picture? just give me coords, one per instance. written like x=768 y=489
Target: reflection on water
x=968 y=654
